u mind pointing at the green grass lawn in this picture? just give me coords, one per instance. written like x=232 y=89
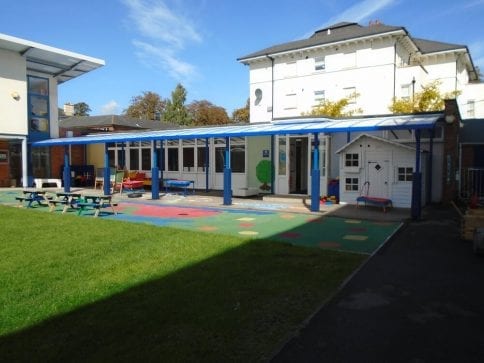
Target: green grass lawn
x=88 y=289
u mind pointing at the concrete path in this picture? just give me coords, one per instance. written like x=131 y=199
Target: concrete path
x=419 y=299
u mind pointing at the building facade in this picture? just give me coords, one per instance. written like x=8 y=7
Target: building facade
x=29 y=77
x=370 y=64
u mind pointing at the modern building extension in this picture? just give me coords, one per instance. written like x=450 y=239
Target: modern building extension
x=29 y=76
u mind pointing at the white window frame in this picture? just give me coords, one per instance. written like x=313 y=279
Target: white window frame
x=319 y=96
x=319 y=63
x=353 y=186
x=471 y=108
x=350 y=92
x=406 y=172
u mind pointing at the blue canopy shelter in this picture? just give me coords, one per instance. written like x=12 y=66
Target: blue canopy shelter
x=297 y=126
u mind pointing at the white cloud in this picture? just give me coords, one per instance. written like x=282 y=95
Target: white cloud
x=164 y=59
x=165 y=32
x=360 y=11
x=110 y=108
x=155 y=20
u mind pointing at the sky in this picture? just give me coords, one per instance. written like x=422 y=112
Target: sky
x=152 y=45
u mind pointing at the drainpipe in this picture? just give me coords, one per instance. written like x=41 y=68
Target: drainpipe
x=272 y=86
x=394 y=69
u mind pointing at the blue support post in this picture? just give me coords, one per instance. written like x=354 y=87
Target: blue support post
x=122 y=162
x=67 y=170
x=315 y=177
x=227 y=174
x=273 y=177
x=107 y=172
x=161 y=160
x=417 y=181
x=206 y=164
x=155 y=179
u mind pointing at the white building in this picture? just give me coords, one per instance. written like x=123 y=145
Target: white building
x=29 y=75
x=377 y=62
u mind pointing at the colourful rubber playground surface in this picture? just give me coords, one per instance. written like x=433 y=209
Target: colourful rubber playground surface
x=320 y=231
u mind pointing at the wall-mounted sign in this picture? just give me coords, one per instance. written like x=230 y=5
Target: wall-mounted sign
x=265 y=153
x=3 y=156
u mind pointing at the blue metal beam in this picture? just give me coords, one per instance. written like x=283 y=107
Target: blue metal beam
x=155 y=179
x=315 y=177
x=107 y=172
x=227 y=174
x=67 y=170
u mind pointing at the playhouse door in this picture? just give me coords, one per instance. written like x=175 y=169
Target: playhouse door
x=377 y=173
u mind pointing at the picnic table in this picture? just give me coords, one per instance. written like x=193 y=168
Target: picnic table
x=178 y=183
x=32 y=195
x=68 y=200
x=96 y=202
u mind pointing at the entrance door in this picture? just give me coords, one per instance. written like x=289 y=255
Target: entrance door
x=377 y=173
x=298 y=165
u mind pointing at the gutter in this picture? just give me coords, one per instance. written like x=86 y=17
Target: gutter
x=272 y=86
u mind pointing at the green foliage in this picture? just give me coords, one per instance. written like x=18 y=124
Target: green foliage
x=205 y=113
x=81 y=109
x=148 y=106
x=242 y=115
x=176 y=112
x=430 y=98
x=335 y=108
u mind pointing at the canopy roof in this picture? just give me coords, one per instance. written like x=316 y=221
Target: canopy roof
x=58 y=63
x=290 y=126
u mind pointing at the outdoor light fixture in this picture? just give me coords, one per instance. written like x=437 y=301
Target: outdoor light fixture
x=449 y=119
x=15 y=96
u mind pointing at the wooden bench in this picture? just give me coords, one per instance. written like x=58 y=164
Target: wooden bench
x=31 y=196
x=96 y=202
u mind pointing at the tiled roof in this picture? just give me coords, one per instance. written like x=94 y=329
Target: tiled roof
x=346 y=31
x=332 y=34
x=430 y=46
x=85 y=122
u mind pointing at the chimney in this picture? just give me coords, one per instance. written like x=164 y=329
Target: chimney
x=68 y=109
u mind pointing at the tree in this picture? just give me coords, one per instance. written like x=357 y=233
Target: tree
x=205 y=113
x=148 y=105
x=175 y=111
x=242 y=115
x=81 y=109
x=264 y=171
x=429 y=99
x=335 y=108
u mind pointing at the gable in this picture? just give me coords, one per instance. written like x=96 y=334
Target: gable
x=365 y=137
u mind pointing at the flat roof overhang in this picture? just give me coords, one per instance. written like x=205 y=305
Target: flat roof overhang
x=58 y=63
x=290 y=126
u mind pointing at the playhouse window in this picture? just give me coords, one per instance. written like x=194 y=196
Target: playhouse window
x=352 y=160
x=351 y=184
x=404 y=174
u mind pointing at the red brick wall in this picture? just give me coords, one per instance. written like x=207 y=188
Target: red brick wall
x=451 y=152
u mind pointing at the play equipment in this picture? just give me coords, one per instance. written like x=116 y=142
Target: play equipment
x=377 y=201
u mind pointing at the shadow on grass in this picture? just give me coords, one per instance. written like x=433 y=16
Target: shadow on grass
x=235 y=306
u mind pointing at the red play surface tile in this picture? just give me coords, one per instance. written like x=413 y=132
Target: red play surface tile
x=173 y=212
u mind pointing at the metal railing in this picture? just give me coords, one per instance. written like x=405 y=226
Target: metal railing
x=472 y=182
